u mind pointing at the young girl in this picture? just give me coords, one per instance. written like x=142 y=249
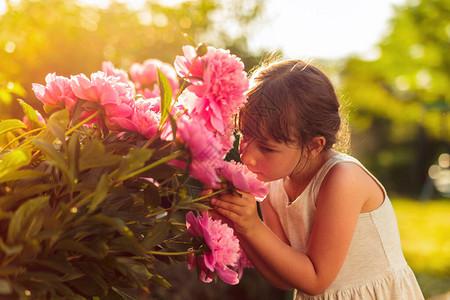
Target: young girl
x=329 y=229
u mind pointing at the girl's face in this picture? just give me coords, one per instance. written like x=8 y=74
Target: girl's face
x=269 y=159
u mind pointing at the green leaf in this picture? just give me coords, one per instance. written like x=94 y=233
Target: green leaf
x=100 y=192
x=21 y=174
x=14 y=160
x=57 y=130
x=173 y=124
x=157 y=235
x=60 y=264
x=61 y=117
x=53 y=156
x=9 y=201
x=71 y=245
x=31 y=115
x=166 y=96
x=22 y=216
x=151 y=196
x=89 y=285
x=126 y=295
x=74 y=155
x=160 y=172
x=11 y=124
x=9 y=250
x=138 y=270
x=135 y=159
x=93 y=155
x=116 y=223
x=130 y=244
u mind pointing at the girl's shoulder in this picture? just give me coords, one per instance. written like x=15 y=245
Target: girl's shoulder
x=347 y=177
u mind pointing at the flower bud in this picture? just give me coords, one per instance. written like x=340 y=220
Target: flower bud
x=201 y=49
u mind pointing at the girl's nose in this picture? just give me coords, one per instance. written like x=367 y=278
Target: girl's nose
x=247 y=155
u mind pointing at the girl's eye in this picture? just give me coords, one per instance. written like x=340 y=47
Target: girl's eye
x=265 y=149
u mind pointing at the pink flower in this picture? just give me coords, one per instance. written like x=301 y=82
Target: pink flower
x=243 y=262
x=116 y=97
x=184 y=63
x=243 y=179
x=220 y=94
x=194 y=261
x=147 y=116
x=204 y=147
x=222 y=243
x=145 y=77
x=57 y=91
x=109 y=69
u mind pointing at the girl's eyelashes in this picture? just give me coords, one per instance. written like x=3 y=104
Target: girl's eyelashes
x=266 y=149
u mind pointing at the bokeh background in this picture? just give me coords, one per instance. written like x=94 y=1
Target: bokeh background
x=389 y=61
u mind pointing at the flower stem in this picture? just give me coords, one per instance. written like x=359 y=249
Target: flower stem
x=21 y=136
x=207 y=196
x=82 y=122
x=158 y=212
x=152 y=165
x=173 y=253
x=184 y=82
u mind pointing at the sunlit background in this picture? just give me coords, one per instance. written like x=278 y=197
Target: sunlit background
x=389 y=60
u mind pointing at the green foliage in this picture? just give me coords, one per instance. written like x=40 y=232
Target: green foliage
x=87 y=213
x=409 y=82
x=399 y=102
x=424 y=231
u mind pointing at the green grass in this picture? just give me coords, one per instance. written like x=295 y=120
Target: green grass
x=425 y=235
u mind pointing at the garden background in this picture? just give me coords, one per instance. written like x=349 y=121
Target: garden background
x=397 y=103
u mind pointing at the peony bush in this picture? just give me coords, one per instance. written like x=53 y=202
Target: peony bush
x=93 y=197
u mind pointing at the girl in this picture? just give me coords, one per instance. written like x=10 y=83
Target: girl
x=329 y=229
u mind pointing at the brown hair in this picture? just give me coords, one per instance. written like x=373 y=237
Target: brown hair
x=291 y=101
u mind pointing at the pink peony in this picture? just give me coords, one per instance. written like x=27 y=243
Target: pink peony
x=109 y=69
x=116 y=97
x=243 y=262
x=220 y=94
x=243 y=179
x=222 y=243
x=204 y=147
x=198 y=261
x=147 y=116
x=56 y=92
x=145 y=77
x=183 y=65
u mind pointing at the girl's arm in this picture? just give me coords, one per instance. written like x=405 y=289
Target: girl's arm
x=341 y=196
x=273 y=222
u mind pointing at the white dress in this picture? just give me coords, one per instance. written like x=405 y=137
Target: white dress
x=374 y=267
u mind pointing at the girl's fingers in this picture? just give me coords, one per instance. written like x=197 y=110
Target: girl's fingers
x=230 y=198
x=205 y=192
x=228 y=205
x=230 y=215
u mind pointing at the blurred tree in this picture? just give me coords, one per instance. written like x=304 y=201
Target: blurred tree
x=63 y=36
x=399 y=102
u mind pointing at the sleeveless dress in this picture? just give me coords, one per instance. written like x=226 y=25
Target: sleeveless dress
x=374 y=267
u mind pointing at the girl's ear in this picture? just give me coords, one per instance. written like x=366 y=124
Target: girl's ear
x=316 y=145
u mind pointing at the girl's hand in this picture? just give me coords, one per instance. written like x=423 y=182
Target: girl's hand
x=240 y=208
x=212 y=213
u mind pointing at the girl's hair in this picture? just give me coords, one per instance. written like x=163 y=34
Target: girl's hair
x=291 y=101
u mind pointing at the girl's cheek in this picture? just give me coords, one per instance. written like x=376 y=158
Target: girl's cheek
x=242 y=147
